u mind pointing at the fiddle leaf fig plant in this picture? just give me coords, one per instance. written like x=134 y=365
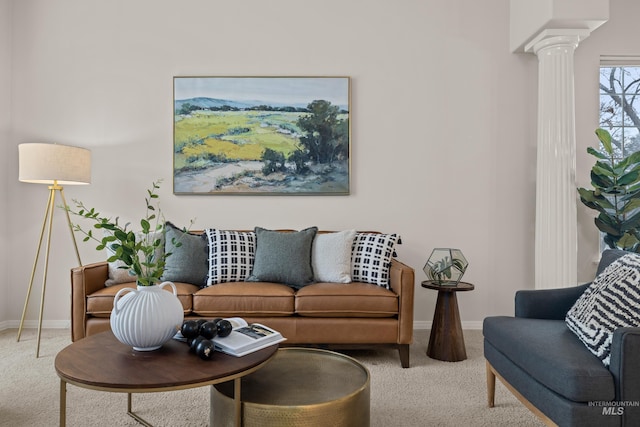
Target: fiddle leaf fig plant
x=615 y=195
x=142 y=253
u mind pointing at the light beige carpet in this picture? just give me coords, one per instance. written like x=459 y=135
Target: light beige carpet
x=430 y=393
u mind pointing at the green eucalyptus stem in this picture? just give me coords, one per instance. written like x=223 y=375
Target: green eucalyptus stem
x=143 y=253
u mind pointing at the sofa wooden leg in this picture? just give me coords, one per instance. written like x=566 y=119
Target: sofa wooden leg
x=403 y=349
x=491 y=385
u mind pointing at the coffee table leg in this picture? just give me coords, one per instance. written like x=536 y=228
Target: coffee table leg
x=237 y=401
x=135 y=416
x=63 y=403
x=211 y=406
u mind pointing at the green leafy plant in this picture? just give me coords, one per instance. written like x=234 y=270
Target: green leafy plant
x=142 y=253
x=615 y=195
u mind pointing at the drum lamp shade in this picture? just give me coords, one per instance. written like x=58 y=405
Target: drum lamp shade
x=41 y=163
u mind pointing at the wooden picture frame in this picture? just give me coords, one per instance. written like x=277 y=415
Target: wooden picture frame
x=262 y=135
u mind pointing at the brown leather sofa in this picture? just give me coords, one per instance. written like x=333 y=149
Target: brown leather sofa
x=317 y=314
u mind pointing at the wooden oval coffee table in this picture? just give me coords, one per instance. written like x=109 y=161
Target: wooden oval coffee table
x=101 y=362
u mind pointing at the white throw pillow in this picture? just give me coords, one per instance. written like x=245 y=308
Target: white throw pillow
x=331 y=256
x=612 y=301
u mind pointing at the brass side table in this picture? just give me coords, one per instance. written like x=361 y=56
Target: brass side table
x=446 y=341
x=300 y=387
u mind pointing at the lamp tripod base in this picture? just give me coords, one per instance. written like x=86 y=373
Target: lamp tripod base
x=47 y=216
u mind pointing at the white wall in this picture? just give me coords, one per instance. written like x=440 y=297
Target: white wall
x=5 y=148
x=443 y=124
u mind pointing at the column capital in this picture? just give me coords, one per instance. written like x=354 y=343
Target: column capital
x=528 y=19
x=557 y=37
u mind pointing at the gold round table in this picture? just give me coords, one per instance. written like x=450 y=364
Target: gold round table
x=300 y=387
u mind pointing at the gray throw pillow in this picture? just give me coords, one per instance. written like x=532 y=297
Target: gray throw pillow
x=283 y=257
x=188 y=262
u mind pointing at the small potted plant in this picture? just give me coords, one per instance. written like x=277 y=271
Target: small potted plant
x=446 y=266
x=143 y=255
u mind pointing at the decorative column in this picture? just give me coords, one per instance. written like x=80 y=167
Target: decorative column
x=556 y=252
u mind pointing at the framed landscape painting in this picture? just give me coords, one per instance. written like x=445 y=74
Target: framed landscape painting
x=261 y=135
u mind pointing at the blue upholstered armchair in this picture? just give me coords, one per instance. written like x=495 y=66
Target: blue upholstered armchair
x=552 y=372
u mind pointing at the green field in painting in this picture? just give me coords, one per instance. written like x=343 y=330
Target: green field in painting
x=232 y=135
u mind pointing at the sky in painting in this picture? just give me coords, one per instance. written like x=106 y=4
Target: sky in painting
x=294 y=90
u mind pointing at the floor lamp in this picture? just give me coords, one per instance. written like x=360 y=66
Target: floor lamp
x=54 y=165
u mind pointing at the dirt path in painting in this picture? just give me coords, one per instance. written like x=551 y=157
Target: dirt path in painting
x=204 y=181
x=318 y=180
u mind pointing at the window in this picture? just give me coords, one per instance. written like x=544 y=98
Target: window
x=620 y=113
x=620 y=105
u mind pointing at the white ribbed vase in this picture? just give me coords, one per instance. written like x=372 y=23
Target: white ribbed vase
x=146 y=317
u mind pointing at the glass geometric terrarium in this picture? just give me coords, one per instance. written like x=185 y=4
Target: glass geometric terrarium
x=446 y=266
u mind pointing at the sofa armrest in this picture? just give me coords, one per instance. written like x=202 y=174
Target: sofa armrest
x=625 y=368
x=402 y=282
x=85 y=280
x=547 y=303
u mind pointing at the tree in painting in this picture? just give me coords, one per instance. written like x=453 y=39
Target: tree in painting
x=326 y=137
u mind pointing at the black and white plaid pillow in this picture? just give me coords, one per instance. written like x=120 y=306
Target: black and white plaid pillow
x=231 y=255
x=371 y=258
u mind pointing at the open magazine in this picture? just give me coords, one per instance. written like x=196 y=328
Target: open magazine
x=246 y=338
